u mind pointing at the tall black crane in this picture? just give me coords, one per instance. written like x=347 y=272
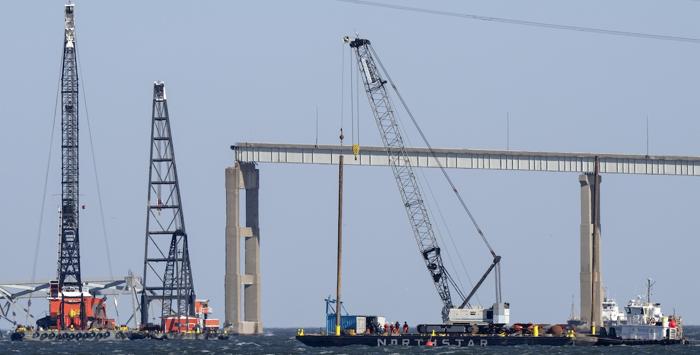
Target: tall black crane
x=167 y=274
x=411 y=195
x=69 y=278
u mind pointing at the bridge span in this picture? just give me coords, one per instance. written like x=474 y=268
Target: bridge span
x=473 y=159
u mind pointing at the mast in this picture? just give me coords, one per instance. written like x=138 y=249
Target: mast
x=167 y=274
x=69 y=277
x=340 y=239
x=650 y=284
x=596 y=297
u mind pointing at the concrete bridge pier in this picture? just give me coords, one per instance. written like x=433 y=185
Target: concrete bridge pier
x=590 y=276
x=242 y=176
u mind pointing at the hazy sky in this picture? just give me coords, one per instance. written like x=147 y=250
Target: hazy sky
x=255 y=71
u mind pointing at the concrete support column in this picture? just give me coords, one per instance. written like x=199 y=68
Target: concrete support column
x=232 y=277
x=242 y=175
x=590 y=275
x=251 y=293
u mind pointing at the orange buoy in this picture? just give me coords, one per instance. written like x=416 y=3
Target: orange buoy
x=429 y=343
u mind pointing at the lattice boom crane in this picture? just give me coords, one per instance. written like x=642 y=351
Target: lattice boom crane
x=411 y=195
x=69 y=277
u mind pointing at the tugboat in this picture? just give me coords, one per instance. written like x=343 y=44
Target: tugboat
x=644 y=323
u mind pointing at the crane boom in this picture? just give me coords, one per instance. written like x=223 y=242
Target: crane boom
x=416 y=209
x=69 y=277
x=406 y=181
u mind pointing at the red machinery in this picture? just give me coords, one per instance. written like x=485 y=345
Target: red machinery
x=68 y=303
x=199 y=322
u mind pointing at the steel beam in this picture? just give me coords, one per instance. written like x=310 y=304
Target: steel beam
x=580 y=163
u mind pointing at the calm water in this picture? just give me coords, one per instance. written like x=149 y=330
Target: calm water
x=281 y=341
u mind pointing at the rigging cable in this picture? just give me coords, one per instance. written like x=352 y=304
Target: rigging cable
x=94 y=168
x=451 y=238
x=529 y=23
x=342 y=84
x=97 y=179
x=357 y=102
x=43 y=196
x=432 y=153
x=423 y=182
x=352 y=101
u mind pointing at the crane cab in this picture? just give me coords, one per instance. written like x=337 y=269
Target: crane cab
x=499 y=313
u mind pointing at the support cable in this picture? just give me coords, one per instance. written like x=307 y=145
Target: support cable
x=94 y=168
x=97 y=179
x=352 y=102
x=357 y=101
x=434 y=155
x=450 y=237
x=511 y=21
x=424 y=184
x=342 y=85
x=43 y=195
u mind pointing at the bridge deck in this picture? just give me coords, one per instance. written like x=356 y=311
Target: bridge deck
x=473 y=159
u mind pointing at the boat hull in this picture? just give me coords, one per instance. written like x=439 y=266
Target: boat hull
x=617 y=341
x=448 y=340
x=51 y=336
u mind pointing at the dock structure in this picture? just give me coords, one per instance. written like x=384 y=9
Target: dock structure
x=243 y=175
x=588 y=167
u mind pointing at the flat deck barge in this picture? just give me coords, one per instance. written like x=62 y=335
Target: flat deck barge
x=446 y=340
x=317 y=340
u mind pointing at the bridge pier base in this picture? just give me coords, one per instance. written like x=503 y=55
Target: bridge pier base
x=242 y=176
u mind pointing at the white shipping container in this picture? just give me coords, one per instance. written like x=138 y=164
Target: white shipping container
x=361 y=325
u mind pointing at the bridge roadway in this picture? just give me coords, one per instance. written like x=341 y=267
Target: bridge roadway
x=473 y=159
x=245 y=175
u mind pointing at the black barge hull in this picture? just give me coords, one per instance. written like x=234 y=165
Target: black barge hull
x=448 y=340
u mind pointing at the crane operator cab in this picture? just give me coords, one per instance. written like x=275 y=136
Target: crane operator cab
x=498 y=314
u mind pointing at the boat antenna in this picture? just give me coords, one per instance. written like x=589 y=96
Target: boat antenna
x=573 y=310
x=316 y=144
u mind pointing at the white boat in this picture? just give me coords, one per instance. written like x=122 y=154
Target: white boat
x=611 y=313
x=645 y=322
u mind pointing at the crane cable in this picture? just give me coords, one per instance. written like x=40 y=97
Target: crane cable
x=342 y=85
x=352 y=101
x=424 y=185
x=355 y=134
x=43 y=197
x=511 y=21
x=94 y=168
x=97 y=179
x=434 y=155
